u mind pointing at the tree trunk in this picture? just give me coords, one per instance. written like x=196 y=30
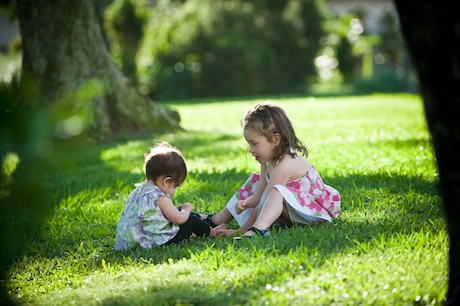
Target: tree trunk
x=63 y=49
x=431 y=30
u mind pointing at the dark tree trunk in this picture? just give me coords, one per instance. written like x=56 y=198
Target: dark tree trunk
x=432 y=32
x=63 y=49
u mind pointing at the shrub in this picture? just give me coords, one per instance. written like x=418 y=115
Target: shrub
x=206 y=48
x=386 y=81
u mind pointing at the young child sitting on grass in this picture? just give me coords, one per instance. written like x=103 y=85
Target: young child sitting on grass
x=287 y=190
x=150 y=218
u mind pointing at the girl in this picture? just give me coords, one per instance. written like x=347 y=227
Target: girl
x=288 y=190
x=149 y=218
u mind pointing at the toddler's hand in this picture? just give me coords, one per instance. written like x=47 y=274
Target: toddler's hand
x=188 y=206
x=240 y=207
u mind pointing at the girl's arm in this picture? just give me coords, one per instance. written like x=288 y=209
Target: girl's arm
x=172 y=213
x=254 y=199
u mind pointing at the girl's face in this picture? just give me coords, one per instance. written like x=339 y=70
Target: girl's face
x=259 y=146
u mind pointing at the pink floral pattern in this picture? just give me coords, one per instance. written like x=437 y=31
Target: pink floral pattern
x=316 y=199
x=249 y=187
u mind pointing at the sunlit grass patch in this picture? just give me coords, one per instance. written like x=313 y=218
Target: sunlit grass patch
x=388 y=246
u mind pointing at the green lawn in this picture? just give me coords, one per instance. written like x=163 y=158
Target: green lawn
x=388 y=246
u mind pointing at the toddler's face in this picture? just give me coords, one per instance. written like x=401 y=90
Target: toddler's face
x=170 y=187
x=166 y=184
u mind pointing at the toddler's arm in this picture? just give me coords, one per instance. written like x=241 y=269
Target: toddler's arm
x=172 y=213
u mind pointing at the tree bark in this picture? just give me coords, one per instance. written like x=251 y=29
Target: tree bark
x=431 y=30
x=63 y=49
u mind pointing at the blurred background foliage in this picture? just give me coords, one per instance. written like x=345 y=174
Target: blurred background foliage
x=194 y=49
x=207 y=48
x=173 y=49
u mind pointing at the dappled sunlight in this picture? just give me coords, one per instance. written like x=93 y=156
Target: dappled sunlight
x=123 y=156
x=141 y=285
x=304 y=275
x=388 y=244
x=199 y=117
x=384 y=208
x=354 y=280
x=202 y=151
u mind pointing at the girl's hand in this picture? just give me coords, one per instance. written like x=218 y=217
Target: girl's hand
x=218 y=230
x=188 y=206
x=228 y=232
x=240 y=206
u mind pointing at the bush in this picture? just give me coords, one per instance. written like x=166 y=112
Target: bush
x=211 y=48
x=387 y=81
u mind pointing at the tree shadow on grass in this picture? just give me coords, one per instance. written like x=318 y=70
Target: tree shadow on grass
x=98 y=168
x=319 y=243
x=185 y=293
x=355 y=224
x=79 y=172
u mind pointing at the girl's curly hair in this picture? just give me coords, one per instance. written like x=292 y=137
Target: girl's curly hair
x=269 y=119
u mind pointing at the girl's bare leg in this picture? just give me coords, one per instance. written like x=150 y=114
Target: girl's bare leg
x=224 y=216
x=285 y=219
x=271 y=211
x=250 y=222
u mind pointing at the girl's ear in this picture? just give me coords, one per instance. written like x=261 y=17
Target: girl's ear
x=276 y=139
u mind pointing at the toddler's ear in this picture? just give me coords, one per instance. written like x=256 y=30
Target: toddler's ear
x=167 y=180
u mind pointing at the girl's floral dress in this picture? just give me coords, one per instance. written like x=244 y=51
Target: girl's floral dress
x=142 y=222
x=307 y=198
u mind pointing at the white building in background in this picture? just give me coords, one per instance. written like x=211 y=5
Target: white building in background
x=374 y=10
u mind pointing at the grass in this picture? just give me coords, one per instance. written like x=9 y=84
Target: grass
x=388 y=246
